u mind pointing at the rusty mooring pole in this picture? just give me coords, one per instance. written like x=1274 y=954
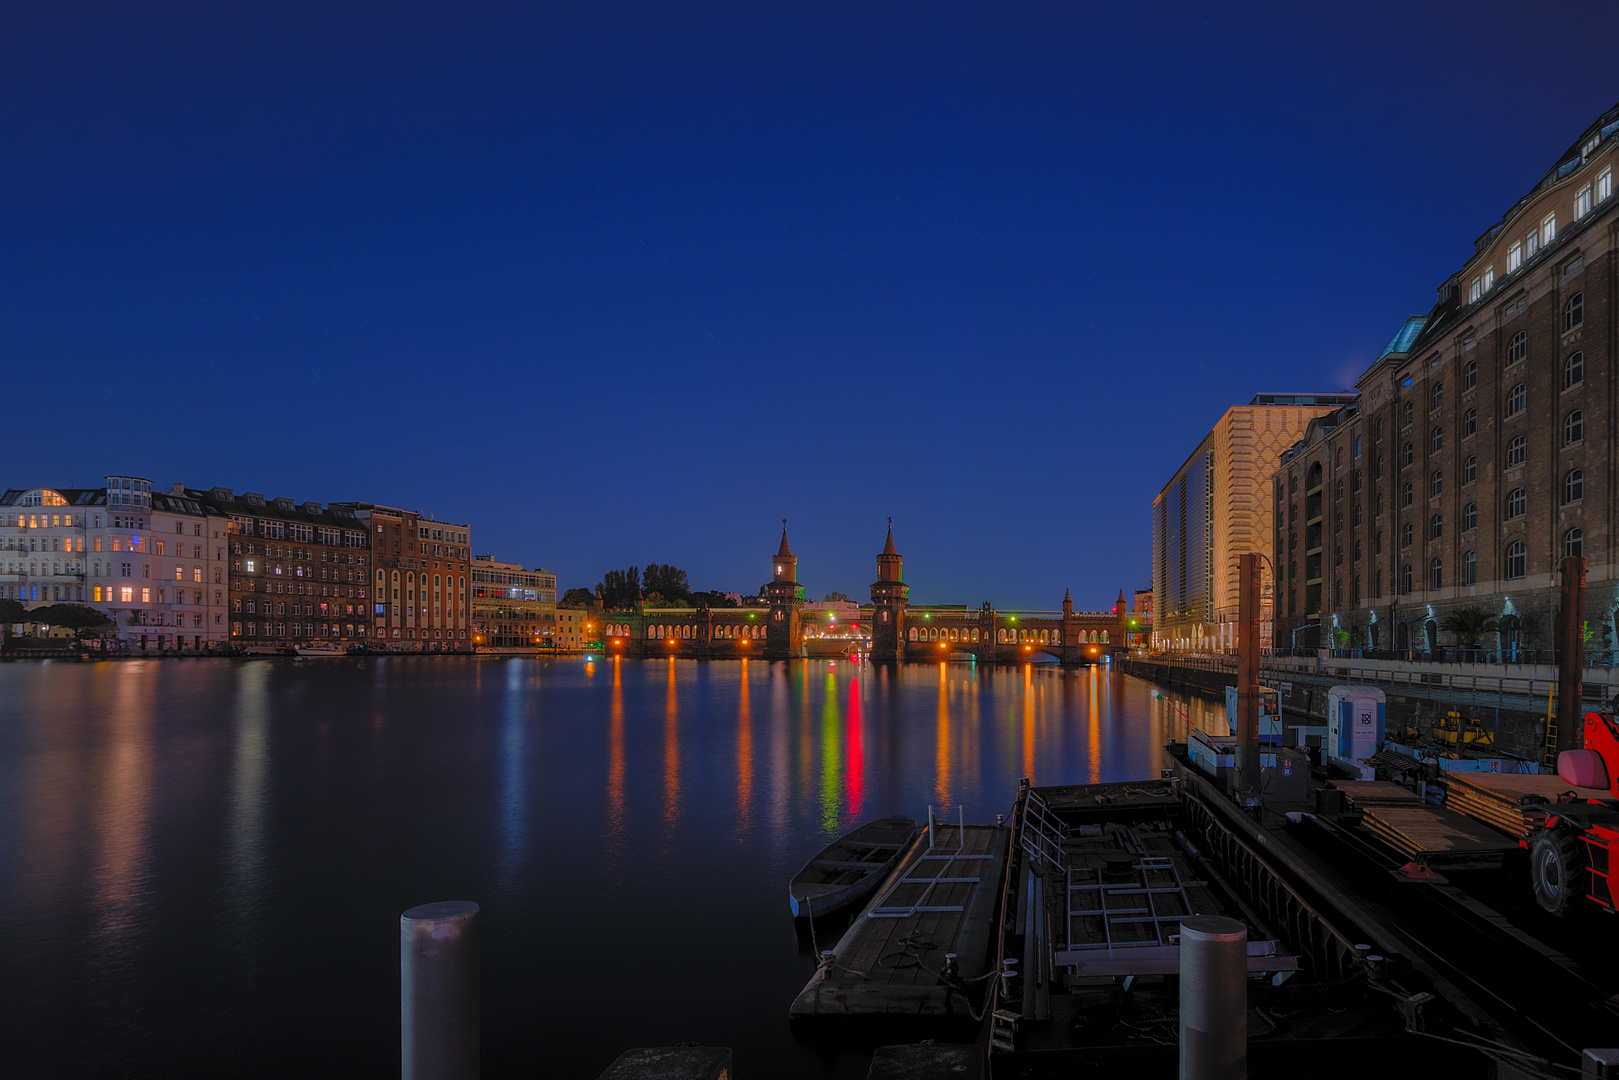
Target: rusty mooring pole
x=1248 y=669
x=1571 y=655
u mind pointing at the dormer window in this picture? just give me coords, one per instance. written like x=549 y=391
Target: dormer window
x=1531 y=244
x=1548 y=229
x=1605 y=184
x=1514 y=257
x=1590 y=145
x=1475 y=290
x=1489 y=278
x=1582 y=202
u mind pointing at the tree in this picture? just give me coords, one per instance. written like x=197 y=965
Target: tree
x=620 y=590
x=835 y=596
x=11 y=611
x=668 y=581
x=712 y=600
x=1470 y=624
x=577 y=598
x=75 y=617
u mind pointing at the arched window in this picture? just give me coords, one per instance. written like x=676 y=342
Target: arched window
x=1405 y=495
x=1469 y=517
x=1518 y=347
x=1470 y=568
x=1405 y=455
x=1436 y=396
x=1573 y=312
x=1436 y=574
x=651 y=632
x=1436 y=527
x=1517 y=503
x=1573 y=485
x=1469 y=423
x=1517 y=451
x=1406 y=534
x=1405 y=578
x=1574 y=544
x=1574 y=428
x=1517 y=560
x=1470 y=375
x=1313 y=479
x=1104 y=637
x=1574 y=370
x=1438 y=438
x=1517 y=399
x=1469 y=469
x=1436 y=482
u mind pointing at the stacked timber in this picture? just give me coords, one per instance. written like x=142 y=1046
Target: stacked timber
x=1431 y=834
x=1365 y=794
x=1496 y=798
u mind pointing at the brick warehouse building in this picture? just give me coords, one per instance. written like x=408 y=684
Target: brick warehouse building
x=1481 y=448
x=298 y=573
x=420 y=570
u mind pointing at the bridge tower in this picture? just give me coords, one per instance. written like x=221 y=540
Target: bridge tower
x=1072 y=651
x=889 y=595
x=786 y=596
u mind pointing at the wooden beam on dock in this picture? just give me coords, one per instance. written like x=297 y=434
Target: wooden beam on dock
x=671 y=1063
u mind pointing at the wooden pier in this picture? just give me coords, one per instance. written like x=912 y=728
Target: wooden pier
x=893 y=960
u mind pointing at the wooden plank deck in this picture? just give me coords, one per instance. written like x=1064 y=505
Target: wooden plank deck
x=890 y=959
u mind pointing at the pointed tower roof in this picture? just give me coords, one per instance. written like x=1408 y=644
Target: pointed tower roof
x=888 y=546
x=784 y=549
x=1067 y=597
x=1121 y=596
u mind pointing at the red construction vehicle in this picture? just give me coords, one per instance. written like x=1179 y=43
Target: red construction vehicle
x=1569 y=853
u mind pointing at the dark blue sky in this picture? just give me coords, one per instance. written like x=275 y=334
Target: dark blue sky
x=621 y=283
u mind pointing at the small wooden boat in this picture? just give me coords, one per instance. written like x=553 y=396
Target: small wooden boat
x=849 y=868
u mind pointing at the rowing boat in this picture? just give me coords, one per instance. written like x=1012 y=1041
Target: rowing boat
x=848 y=869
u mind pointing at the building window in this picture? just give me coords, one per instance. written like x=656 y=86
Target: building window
x=1470 y=375
x=1474 y=291
x=1517 y=560
x=1407 y=532
x=1605 y=184
x=1406 y=455
x=1489 y=278
x=1357 y=549
x=1517 y=451
x=1377 y=549
x=1469 y=517
x=1470 y=568
x=1354 y=481
x=1406 y=495
x=1409 y=414
x=1517 y=503
x=1436 y=483
x=1548 y=229
x=1582 y=202
x=1574 y=544
x=1379 y=511
x=1514 y=257
x=1436 y=527
x=1517 y=399
x=1573 y=485
x=1573 y=428
x=1436 y=574
x=1573 y=371
x=1470 y=469
x=1469 y=423
x=1437 y=396
x=1531 y=244
x=1357 y=446
x=1438 y=438
x=1377 y=428
x=1573 y=311
x=1405 y=578
x=1518 y=347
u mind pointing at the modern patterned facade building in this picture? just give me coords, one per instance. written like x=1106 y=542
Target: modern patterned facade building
x=512 y=607
x=1482 y=447
x=1215 y=508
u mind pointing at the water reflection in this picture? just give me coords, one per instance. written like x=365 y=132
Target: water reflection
x=671 y=751
x=832 y=806
x=249 y=766
x=513 y=770
x=855 y=771
x=941 y=739
x=744 y=753
x=615 y=759
x=123 y=803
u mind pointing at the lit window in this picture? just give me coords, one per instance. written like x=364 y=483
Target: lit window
x=1514 y=257
x=1605 y=184
x=1474 y=291
x=126 y=593
x=1489 y=278
x=1548 y=229
x=1531 y=244
x=1582 y=202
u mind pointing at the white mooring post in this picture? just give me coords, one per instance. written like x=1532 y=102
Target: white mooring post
x=1214 y=998
x=438 y=991
x=930 y=826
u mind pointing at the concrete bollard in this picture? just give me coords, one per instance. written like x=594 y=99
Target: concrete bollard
x=438 y=991
x=1213 y=998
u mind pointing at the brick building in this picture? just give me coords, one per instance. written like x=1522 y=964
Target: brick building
x=420 y=570
x=1481 y=449
x=299 y=574
x=1215 y=508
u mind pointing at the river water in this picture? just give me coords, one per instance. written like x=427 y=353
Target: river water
x=202 y=863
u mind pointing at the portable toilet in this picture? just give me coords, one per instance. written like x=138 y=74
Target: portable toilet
x=1355 y=719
